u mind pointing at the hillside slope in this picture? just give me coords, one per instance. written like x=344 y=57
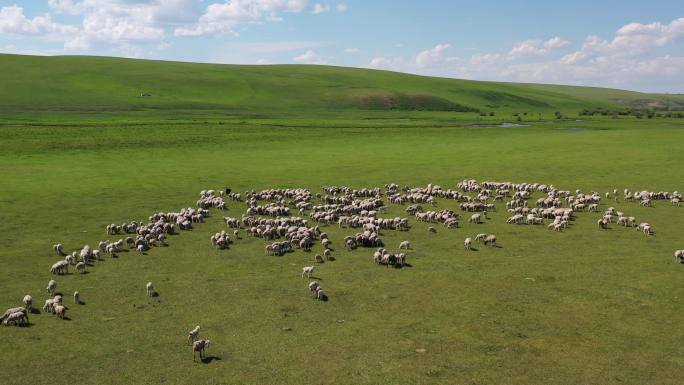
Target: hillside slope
x=79 y=83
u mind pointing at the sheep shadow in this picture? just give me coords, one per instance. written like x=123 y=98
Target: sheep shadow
x=210 y=359
x=65 y=318
x=155 y=295
x=474 y=249
x=323 y=298
x=398 y=266
x=80 y=303
x=316 y=278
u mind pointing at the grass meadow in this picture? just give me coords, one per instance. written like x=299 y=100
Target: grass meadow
x=579 y=307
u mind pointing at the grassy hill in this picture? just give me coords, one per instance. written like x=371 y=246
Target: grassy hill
x=99 y=84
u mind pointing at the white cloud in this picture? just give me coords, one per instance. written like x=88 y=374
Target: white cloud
x=632 y=59
x=320 y=8
x=13 y=20
x=556 y=42
x=431 y=56
x=262 y=62
x=341 y=7
x=309 y=57
x=537 y=47
x=352 y=50
x=388 y=63
x=221 y=18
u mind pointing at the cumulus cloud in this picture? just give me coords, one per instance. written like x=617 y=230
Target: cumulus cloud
x=632 y=58
x=341 y=7
x=431 y=56
x=309 y=57
x=389 y=63
x=537 y=47
x=221 y=18
x=13 y=20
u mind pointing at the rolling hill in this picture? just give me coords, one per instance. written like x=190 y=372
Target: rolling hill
x=96 y=84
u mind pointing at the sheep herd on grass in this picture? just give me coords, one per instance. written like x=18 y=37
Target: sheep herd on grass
x=267 y=216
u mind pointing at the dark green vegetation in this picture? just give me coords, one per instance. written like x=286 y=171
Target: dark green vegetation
x=99 y=84
x=577 y=307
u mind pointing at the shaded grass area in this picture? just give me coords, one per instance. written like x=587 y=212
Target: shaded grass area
x=582 y=306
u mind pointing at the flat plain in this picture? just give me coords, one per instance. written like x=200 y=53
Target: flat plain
x=580 y=306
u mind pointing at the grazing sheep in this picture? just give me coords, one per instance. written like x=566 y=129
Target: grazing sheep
x=319 y=294
x=52 y=285
x=141 y=249
x=490 y=240
x=28 y=302
x=60 y=311
x=81 y=267
x=199 y=346
x=193 y=335
x=481 y=237
x=475 y=218
x=468 y=244
x=602 y=224
x=313 y=286
x=326 y=243
x=49 y=306
x=307 y=270
x=401 y=259
x=77 y=298
x=679 y=256
x=318 y=258
x=96 y=254
x=328 y=254
x=58 y=248
x=10 y=311
x=405 y=245
x=150 y=289
x=16 y=318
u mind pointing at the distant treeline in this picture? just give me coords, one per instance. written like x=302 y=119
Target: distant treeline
x=636 y=112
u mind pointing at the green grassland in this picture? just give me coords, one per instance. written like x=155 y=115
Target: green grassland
x=582 y=306
x=99 y=84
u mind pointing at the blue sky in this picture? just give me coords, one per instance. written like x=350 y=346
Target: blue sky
x=623 y=44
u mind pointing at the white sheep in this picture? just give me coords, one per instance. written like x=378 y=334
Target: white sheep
x=193 y=335
x=49 y=306
x=52 y=285
x=77 y=298
x=200 y=346
x=307 y=270
x=81 y=267
x=679 y=256
x=405 y=245
x=58 y=248
x=468 y=243
x=60 y=311
x=28 y=302
x=16 y=318
x=150 y=289
x=8 y=312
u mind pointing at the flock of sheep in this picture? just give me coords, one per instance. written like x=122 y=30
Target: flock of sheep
x=267 y=216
